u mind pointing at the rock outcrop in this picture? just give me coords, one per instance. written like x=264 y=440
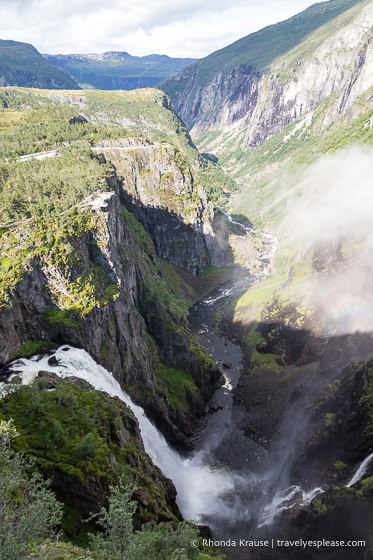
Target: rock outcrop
x=162 y=191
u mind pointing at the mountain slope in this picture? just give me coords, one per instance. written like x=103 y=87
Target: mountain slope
x=235 y=95
x=118 y=70
x=22 y=65
x=253 y=50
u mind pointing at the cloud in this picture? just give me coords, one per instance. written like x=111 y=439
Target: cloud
x=186 y=28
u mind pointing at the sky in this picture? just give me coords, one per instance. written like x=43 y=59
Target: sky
x=178 y=28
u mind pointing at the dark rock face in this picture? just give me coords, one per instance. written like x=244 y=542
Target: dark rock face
x=165 y=197
x=116 y=334
x=348 y=438
x=53 y=361
x=78 y=120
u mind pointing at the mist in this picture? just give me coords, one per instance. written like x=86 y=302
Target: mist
x=331 y=224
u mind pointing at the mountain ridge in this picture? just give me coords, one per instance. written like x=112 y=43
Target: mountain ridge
x=22 y=65
x=252 y=50
x=118 y=69
x=233 y=96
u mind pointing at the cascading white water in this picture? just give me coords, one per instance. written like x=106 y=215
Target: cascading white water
x=294 y=495
x=360 y=471
x=286 y=500
x=199 y=488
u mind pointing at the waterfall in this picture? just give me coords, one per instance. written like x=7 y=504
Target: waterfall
x=200 y=490
x=360 y=471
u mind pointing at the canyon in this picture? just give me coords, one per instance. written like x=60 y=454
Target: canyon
x=207 y=310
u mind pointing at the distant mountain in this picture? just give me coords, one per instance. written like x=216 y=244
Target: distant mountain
x=118 y=70
x=22 y=65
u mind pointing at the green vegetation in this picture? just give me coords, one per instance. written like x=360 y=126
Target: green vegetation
x=48 y=189
x=139 y=235
x=60 y=318
x=45 y=127
x=43 y=218
x=29 y=510
x=30 y=513
x=319 y=507
x=159 y=542
x=80 y=433
x=340 y=465
x=329 y=419
x=367 y=398
x=366 y=487
x=22 y=65
x=179 y=384
x=31 y=347
x=260 y=360
x=64 y=429
x=216 y=183
x=253 y=50
x=144 y=111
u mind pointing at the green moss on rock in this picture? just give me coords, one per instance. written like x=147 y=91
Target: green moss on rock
x=60 y=318
x=179 y=384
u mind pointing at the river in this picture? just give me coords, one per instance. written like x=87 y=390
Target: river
x=228 y=481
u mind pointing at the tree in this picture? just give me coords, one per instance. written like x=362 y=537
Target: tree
x=28 y=508
x=119 y=541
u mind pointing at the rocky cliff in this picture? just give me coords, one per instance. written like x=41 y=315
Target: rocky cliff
x=78 y=267
x=248 y=103
x=164 y=194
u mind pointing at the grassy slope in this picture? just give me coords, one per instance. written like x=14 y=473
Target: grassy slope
x=253 y=50
x=17 y=59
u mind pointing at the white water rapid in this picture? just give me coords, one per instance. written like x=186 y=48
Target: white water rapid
x=286 y=500
x=199 y=488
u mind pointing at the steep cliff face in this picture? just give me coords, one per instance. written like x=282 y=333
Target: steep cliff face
x=123 y=294
x=335 y=60
x=78 y=267
x=162 y=191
